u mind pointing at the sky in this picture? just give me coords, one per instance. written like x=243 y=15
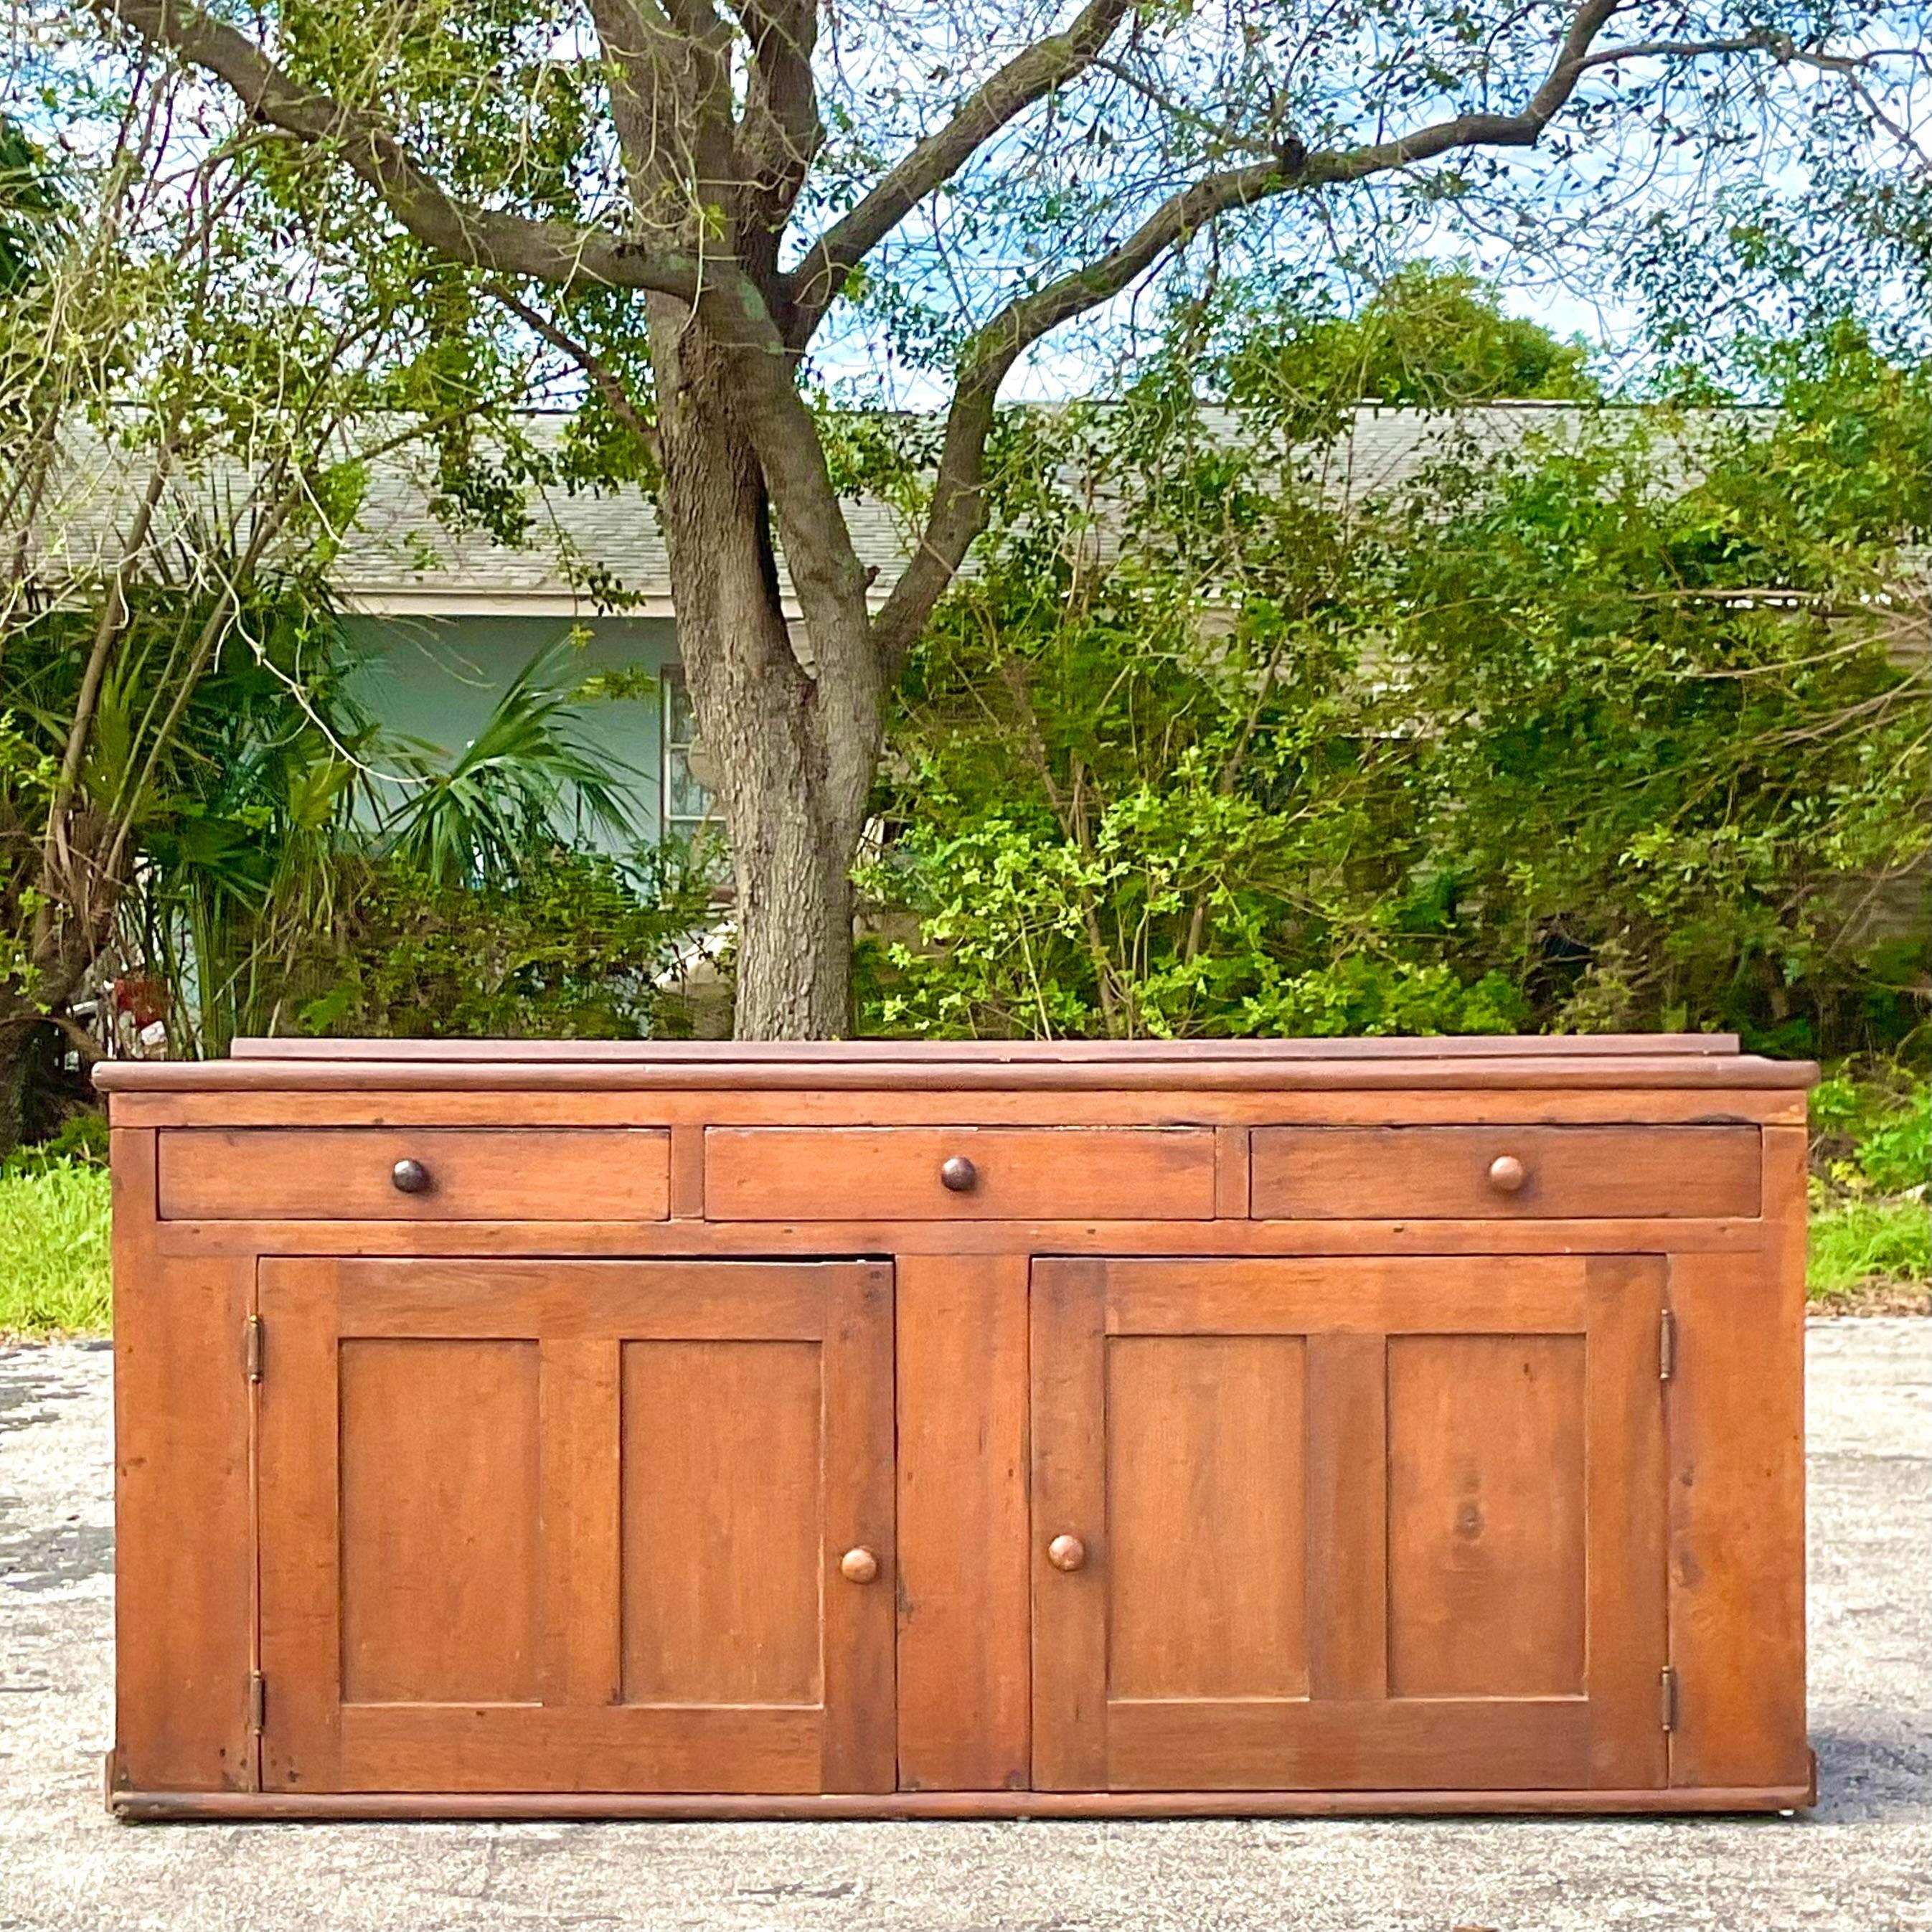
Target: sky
x=1060 y=367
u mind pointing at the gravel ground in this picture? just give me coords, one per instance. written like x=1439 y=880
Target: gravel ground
x=1861 y=1863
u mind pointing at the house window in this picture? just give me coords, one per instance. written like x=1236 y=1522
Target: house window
x=687 y=804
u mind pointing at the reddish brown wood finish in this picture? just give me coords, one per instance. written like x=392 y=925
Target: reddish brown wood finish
x=1499 y=1500
x=1737 y=1495
x=1506 y=1171
x=184 y=1605
x=1018 y=1073
x=1109 y=1173
x=994 y=1052
x=965 y=1681
x=582 y=1485
x=445 y=1455
x=442 y=1806
x=472 y=1174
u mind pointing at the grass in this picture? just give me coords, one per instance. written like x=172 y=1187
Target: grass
x=53 y=1252
x=1871 y=1156
x=1871 y=1250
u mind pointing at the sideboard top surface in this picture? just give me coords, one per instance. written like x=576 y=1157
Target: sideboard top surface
x=1610 y=1059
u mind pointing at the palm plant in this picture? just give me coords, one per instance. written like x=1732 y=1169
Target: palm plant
x=284 y=805
x=525 y=781
x=241 y=838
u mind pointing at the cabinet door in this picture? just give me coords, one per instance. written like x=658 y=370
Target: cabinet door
x=576 y=1526
x=1364 y=1524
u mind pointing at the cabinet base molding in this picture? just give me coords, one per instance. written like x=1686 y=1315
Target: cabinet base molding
x=229 y=1806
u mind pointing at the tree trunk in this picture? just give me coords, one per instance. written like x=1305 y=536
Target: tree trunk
x=16 y=1044
x=793 y=802
x=29 y=1107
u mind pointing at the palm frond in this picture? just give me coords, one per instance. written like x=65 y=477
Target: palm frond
x=526 y=781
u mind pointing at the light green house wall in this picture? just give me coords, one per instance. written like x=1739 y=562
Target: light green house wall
x=436 y=678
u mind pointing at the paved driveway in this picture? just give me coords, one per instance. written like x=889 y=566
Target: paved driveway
x=1862 y=1863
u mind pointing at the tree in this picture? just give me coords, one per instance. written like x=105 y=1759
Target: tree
x=1428 y=337
x=186 y=414
x=694 y=203
x=1621 y=724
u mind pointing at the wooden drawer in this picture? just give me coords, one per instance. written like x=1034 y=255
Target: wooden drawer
x=347 y=1173
x=1012 y=1174
x=1439 y=1173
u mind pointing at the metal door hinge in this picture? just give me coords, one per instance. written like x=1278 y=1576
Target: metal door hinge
x=258 y=1702
x=1666 y=1698
x=252 y=1347
x=1667 y=1347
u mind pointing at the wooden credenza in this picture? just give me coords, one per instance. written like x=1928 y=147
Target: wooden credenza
x=883 y=1430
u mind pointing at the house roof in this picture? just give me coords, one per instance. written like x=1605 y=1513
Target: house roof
x=401 y=557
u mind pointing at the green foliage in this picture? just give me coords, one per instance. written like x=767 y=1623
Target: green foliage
x=1361 y=993
x=1106 y=815
x=1861 y=1245
x=1669 y=732
x=1608 y=729
x=276 y=886
x=509 y=789
x=80 y=1141
x=1871 y=1164
x=573 y=946
x=1872 y=1130
x=257 y=786
x=54 y=1251
x=203 y=348
x=30 y=201
x=1429 y=337
x=295 y=892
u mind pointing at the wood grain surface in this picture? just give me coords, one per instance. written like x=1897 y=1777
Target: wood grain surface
x=244 y=1174
x=1418 y=1174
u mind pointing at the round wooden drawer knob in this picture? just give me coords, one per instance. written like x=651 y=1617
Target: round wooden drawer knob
x=859 y=1566
x=959 y=1174
x=1508 y=1173
x=411 y=1177
x=1066 y=1553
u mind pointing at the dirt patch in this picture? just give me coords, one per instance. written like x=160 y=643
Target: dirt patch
x=1876 y=1297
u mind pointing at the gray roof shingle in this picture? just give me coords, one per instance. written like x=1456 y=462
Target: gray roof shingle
x=400 y=556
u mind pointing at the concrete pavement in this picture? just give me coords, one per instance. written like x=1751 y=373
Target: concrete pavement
x=1861 y=1863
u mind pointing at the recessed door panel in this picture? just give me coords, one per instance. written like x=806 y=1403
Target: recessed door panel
x=722 y=1522
x=1488 y=1529
x=1205 y=1505
x=440 y=1514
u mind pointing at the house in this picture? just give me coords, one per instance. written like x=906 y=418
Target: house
x=445 y=619
x=445 y=616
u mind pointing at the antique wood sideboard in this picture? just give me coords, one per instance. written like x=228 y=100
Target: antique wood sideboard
x=880 y=1430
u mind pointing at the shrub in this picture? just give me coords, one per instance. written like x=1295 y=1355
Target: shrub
x=1619 y=729
x=575 y=946
x=1863 y=1243
x=80 y=1141
x=1872 y=1130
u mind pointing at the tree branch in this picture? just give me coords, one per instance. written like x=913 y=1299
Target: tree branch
x=636 y=82
x=830 y=582
x=559 y=252
x=1227 y=137
x=1028 y=77
x=780 y=132
x=958 y=512
x=608 y=383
